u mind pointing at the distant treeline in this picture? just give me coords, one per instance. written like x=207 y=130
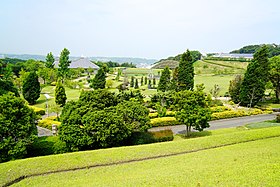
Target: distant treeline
x=111 y=64
x=196 y=55
x=273 y=49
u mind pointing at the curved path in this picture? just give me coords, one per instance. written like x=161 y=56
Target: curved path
x=224 y=123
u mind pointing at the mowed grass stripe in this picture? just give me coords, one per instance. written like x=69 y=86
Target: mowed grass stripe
x=249 y=164
x=220 y=64
x=14 y=170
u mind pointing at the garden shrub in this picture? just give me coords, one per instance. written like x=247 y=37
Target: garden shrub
x=164 y=121
x=278 y=118
x=47 y=145
x=38 y=111
x=236 y=113
x=168 y=114
x=163 y=135
x=216 y=102
x=220 y=109
x=48 y=122
x=138 y=138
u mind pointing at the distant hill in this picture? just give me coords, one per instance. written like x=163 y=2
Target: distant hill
x=173 y=62
x=139 y=62
x=273 y=49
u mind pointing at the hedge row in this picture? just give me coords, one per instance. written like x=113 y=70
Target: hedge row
x=220 y=109
x=38 y=111
x=138 y=138
x=227 y=113
x=48 y=122
x=164 y=121
x=233 y=114
x=168 y=114
x=172 y=114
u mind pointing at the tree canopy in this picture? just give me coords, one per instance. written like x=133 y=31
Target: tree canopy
x=256 y=76
x=99 y=81
x=17 y=129
x=31 y=88
x=101 y=119
x=186 y=72
x=164 y=81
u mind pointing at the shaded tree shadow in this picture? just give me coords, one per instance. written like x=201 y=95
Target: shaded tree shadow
x=194 y=134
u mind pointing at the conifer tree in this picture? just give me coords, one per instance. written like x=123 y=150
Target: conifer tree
x=164 y=80
x=31 y=88
x=142 y=81
x=60 y=96
x=99 y=80
x=256 y=76
x=154 y=81
x=132 y=82
x=146 y=80
x=186 y=72
x=49 y=60
x=136 y=86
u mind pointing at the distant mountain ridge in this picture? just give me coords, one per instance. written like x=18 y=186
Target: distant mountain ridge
x=139 y=62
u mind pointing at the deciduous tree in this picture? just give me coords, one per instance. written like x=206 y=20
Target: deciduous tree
x=17 y=129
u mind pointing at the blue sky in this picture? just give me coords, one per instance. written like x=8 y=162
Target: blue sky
x=135 y=28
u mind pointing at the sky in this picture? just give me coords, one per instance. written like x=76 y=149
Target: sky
x=135 y=28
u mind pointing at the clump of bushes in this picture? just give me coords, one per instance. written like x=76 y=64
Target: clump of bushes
x=164 y=121
x=48 y=122
x=38 y=111
x=138 y=138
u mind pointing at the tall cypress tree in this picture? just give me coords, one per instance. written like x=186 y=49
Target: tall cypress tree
x=31 y=88
x=164 y=80
x=256 y=76
x=132 y=82
x=60 y=96
x=142 y=81
x=136 y=86
x=146 y=80
x=186 y=72
x=99 y=80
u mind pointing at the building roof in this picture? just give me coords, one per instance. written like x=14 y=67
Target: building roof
x=233 y=55
x=80 y=63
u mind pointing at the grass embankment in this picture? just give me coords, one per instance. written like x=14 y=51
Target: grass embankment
x=32 y=166
x=249 y=164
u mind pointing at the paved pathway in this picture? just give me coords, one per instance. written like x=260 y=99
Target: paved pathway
x=220 y=124
x=44 y=132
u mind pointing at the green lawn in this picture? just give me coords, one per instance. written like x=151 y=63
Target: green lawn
x=14 y=169
x=264 y=124
x=248 y=164
x=210 y=80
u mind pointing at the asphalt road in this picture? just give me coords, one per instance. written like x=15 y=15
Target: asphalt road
x=220 y=124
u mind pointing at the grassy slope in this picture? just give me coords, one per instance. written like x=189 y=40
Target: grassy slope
x=210 y=80
x=14 y=169
x=249 y=164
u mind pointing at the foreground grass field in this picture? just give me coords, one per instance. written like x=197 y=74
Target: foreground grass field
x=249 y=164
x=26 y=167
